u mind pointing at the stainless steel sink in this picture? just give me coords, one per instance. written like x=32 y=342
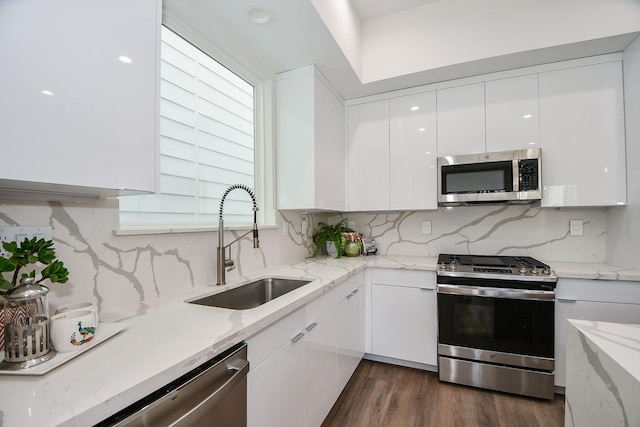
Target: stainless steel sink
x=251 y=295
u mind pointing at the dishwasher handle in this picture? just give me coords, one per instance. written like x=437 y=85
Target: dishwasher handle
x=239 y=367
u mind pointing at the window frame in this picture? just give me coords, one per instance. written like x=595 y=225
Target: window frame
x=264 y=136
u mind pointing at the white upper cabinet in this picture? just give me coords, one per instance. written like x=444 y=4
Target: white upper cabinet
x=582 y=136
x=311 y=147
x=80 y=87
x=413 y=152
x=512 y=118
x=461 y=120
x=368 y=142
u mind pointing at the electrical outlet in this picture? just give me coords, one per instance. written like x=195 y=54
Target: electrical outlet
x=285 y=229
x=303 y=226
x=576 y=227
x=426 y=227
x=18 y=234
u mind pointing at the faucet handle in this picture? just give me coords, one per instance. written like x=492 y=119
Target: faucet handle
x=230 y=264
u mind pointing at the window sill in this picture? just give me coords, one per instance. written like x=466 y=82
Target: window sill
x=134 y=231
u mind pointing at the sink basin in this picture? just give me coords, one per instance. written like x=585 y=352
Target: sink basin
x=251 y=295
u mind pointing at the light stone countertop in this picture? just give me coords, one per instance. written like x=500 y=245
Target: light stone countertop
x=603 y=374
x=167 y=337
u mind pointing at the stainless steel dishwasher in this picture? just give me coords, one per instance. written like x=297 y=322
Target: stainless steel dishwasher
x=213 y=395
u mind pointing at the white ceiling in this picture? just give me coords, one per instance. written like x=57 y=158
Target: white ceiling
x=370 y=9
x=297 y=36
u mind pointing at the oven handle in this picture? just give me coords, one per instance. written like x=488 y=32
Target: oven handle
x=525 y=294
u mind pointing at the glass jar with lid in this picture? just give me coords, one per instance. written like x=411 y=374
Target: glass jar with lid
x=26 y=325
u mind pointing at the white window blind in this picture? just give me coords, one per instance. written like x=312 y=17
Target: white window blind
x=207 y=142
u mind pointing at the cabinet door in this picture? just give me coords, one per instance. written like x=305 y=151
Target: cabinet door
x=513 y=121
x=275 y=389
x=73 y=114
x=403 y=323
x=582 y=136
x=413 y=153
x=320 y=377
x=586 y=310
x=350 y=339
x=368 y=166
x=311 y=143
x=330 y=149
x=295 y=128
x=461 y=121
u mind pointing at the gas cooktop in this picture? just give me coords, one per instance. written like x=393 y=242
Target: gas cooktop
x=495 y=267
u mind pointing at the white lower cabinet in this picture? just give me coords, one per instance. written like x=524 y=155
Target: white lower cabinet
x=275 y=390
x=300 y=364
x=597 y=300
x=349 y=315
x=320 y=365
x=403 y=315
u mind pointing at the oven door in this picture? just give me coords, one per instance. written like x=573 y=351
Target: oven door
x=513 y=322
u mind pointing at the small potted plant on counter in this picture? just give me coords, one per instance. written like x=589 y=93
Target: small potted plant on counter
x=331 y=238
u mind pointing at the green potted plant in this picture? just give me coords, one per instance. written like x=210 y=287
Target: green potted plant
x=329 y=236
x=31 y=252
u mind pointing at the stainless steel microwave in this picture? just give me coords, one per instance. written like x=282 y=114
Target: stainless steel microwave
x=500 y=177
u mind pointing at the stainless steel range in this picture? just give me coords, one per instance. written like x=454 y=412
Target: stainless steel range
x=496 y=323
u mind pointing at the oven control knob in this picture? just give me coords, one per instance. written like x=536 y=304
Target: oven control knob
x=547 y=270
x=522 y=269
x=535 y=270
x=453 y=265
x=442 y=266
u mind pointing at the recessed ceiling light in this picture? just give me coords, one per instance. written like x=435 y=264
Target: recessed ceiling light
x=259 y=14
x=125 y=59
x=527 y=116
x=415 y=108
x=47 y=92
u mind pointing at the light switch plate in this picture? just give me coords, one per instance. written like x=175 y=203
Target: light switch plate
x=576 y=227
x=426 y=227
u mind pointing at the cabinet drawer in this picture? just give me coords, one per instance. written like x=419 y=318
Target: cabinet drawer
x=316 y=308
x=598 y=291
x=271 y=339
x=400 y=277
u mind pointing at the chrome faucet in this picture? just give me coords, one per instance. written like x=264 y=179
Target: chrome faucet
x=222 y=261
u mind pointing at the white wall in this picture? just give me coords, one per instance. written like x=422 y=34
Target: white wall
x=623 y=223
x=125 y=271
x=444 y=33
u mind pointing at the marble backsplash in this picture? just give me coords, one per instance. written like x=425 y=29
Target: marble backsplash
x=495 y=230
x=125 y=271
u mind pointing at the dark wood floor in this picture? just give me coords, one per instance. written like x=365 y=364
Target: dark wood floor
x=385 y=395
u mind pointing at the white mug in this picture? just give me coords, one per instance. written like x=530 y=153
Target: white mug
x=71 y=330
x=91 y=306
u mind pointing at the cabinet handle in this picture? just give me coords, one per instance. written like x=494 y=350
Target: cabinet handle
x=350 y=295
x=565 y=300
x=297 y=337
x=311 y=326
x=427 y=289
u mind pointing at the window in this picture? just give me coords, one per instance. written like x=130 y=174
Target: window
x=207 y=142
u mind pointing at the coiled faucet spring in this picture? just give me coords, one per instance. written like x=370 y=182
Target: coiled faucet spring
x=222 y=260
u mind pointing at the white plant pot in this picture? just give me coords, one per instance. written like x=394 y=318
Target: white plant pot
x=331 y=249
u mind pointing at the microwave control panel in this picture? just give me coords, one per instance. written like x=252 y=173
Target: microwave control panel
x=528 y=171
